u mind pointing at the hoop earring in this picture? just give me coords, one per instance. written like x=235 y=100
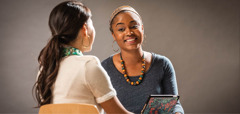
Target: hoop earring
x=88 y=42
x=113 y=48
x=144 y=41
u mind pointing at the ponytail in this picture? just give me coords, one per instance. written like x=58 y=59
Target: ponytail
x=65 y=21
x=49 y=60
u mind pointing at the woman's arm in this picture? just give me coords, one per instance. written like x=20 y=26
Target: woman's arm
x=170 y=83
x=99 y=83
x=113 y=105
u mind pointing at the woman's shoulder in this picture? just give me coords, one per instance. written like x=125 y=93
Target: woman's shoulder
x=83 y=59
x=107 y=61
x=160 y=58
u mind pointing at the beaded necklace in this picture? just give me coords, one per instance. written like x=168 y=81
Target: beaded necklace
x=67 y=51
x=127 y=77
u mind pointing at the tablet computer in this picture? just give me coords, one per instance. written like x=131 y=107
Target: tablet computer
x=160 y=104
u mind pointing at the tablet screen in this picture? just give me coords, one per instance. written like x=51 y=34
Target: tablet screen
x=160 y=104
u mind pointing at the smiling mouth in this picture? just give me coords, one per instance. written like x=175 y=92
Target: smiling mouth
x=130 y=40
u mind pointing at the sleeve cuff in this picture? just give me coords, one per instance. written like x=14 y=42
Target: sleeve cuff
x=106 y=97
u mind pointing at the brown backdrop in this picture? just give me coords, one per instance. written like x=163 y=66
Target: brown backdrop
x=200 y=37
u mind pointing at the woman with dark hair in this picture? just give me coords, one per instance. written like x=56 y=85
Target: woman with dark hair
x=134 y=73
x=66 y=75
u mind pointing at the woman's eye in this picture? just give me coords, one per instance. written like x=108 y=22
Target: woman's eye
x=135 y=26
x=121 y=29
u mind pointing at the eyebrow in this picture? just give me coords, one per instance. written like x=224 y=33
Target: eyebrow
x=123 y=23
x=133 y=21
x=118 y=24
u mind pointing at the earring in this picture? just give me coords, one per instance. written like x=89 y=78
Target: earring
x=113 y=48
x=88 y=42
x=145 y=40
x=131 y=32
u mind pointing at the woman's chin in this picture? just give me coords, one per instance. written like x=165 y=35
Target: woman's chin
x=132 y=48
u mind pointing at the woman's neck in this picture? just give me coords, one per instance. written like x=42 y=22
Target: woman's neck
x=132 y=57
x=76 y=45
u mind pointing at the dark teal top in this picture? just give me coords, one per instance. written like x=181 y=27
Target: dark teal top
x=159 y=79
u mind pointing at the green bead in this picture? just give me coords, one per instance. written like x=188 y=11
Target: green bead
x=127 y=77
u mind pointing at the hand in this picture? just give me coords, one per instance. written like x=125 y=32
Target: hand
x=178 y=113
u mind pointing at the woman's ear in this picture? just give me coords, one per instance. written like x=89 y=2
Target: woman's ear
x=142 y=28
x=85 y=30
x=113 y=36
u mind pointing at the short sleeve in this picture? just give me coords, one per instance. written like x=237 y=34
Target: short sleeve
x=98 y=81
x=170 y=82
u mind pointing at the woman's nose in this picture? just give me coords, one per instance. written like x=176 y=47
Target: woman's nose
x=129 y=32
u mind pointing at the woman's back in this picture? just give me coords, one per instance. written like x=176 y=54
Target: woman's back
x=81 y=79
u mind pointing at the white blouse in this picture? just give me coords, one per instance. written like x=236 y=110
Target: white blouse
x=82 y=79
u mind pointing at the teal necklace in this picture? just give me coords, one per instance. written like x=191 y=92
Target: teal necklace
x=67 y=51
x=127 y=77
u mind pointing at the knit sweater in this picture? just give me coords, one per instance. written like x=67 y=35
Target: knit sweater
x=158 y=79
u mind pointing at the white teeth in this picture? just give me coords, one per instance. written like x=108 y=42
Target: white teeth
x=130 y=40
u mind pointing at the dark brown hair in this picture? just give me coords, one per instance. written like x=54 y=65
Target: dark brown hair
x=65 y=21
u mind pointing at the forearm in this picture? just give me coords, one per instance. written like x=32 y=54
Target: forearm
x=113 y=105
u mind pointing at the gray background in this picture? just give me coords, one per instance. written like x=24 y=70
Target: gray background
x=200 y=37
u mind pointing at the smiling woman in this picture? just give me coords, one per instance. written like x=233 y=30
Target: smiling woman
x=134 y=73
x=128 y=24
